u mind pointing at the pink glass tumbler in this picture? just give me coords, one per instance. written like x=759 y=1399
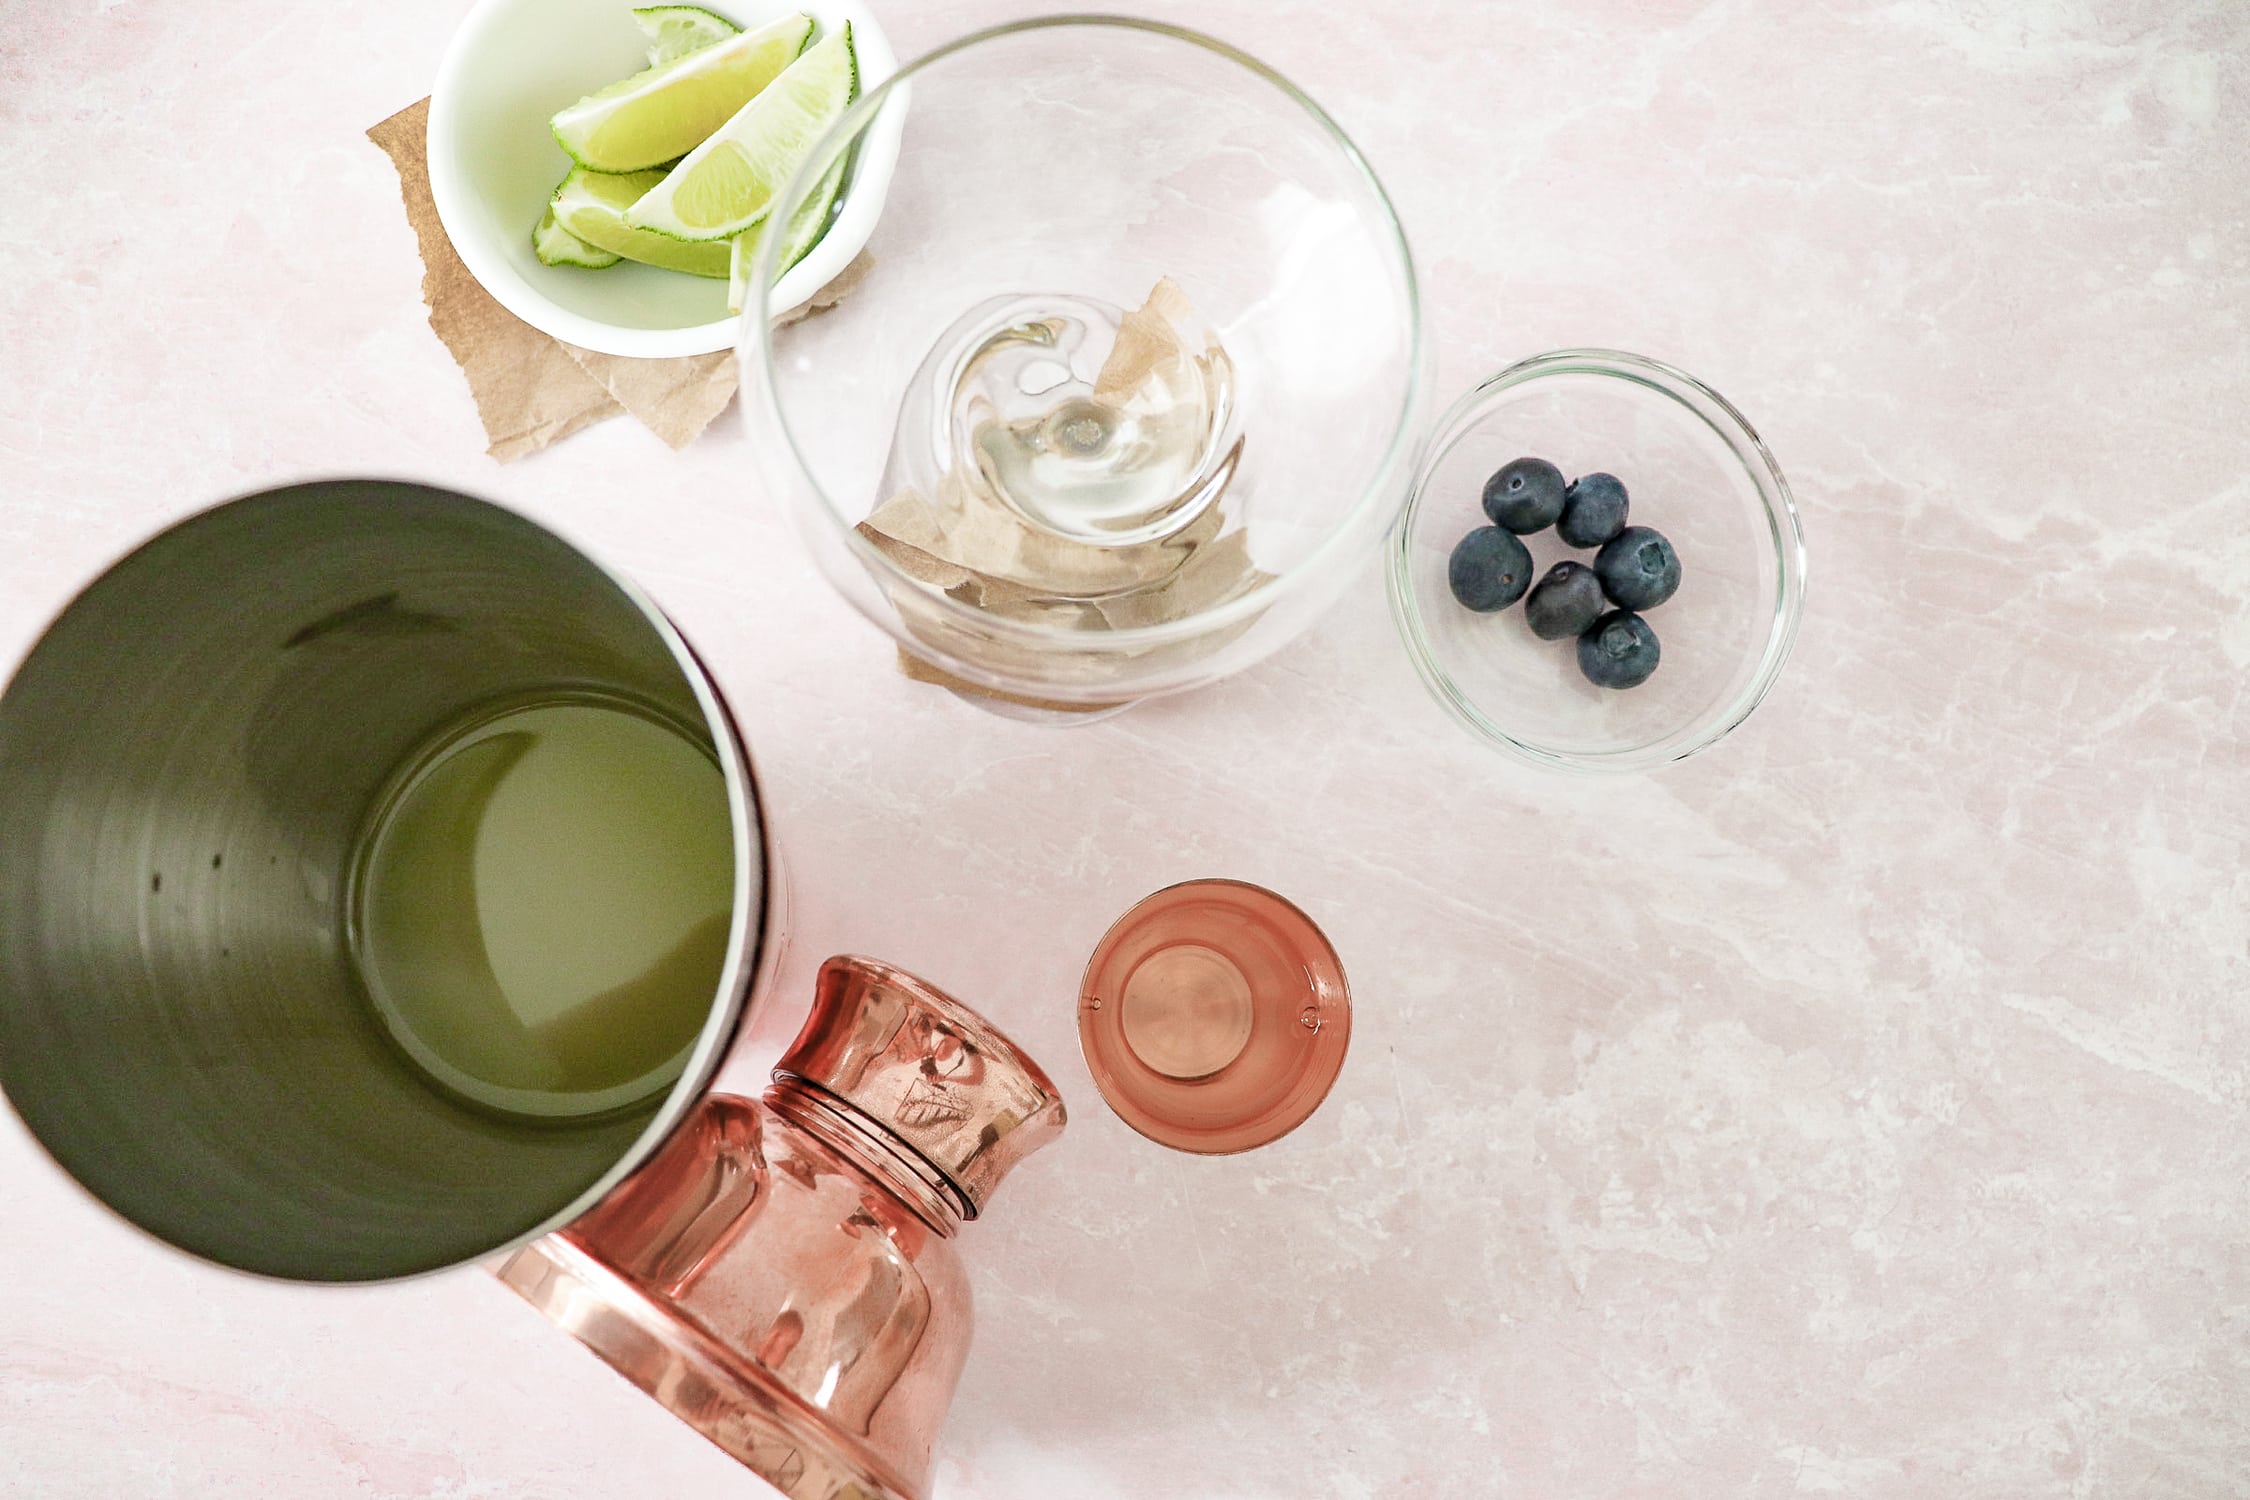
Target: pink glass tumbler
x=1214 y=1017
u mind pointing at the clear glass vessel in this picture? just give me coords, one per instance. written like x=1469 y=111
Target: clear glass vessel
x=783 y=1275
x=1697 y=471
x=1132 y=385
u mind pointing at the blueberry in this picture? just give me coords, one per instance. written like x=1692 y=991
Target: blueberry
x=1593 y=510
x=1489 y=570
x=1638 y=568
x=1564 y=603
x=1524 y=496
x=1620 y=651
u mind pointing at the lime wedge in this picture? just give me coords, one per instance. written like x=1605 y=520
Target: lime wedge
x=591 y=206
x=656 y=115
x=674 y=31
x=727 y=184
x=806 y=226
x=557 y=246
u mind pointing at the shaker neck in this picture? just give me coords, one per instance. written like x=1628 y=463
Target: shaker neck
x=861 y=1140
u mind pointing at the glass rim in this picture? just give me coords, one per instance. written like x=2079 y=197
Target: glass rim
x=857 y=119
x=1785 y=529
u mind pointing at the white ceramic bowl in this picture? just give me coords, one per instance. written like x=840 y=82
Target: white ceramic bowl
x=494 y=164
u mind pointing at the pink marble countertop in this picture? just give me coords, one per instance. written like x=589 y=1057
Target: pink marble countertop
x=1862 y=1109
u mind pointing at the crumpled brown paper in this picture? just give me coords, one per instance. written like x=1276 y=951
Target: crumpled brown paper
x=975 y=549
x=532 y=389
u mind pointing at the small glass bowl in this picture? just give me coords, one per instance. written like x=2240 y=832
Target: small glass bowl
x=1696 y=471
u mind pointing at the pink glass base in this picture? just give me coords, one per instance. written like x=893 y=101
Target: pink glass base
x=1214 y=1017
x=782 y=1274
x=772 y=1293
x=761 y=1424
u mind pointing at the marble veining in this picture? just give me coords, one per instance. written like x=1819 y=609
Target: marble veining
x=1863 y=1109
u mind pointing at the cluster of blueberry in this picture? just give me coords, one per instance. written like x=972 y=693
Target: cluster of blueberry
x=1635 y=569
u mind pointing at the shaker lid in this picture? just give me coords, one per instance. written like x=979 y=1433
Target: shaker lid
x=926 y=1068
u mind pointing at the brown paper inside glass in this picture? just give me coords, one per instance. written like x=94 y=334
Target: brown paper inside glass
x=967 y=546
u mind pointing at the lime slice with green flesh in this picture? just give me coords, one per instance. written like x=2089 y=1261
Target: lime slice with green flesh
x=557 y=246
x=591 y=206
x=806 y=226
x=653 y=116
x=674 y=31
x=728 y=183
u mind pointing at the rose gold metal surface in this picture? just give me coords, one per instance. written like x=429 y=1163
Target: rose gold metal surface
x=1214 y=1017
x=783 y=1274
x=1186 y=1011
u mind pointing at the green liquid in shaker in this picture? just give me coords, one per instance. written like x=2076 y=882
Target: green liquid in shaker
x=542 y=907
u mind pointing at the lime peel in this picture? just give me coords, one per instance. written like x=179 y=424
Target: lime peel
x=591 y=205
x=557 y=246
x=673 y=31
x=728 y=183
x=671 y=109
x=806 y=227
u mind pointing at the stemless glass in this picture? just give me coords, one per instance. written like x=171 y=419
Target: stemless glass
x=1084 y=160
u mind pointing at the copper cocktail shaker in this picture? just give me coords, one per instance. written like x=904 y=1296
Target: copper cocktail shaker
x=782 y=1275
